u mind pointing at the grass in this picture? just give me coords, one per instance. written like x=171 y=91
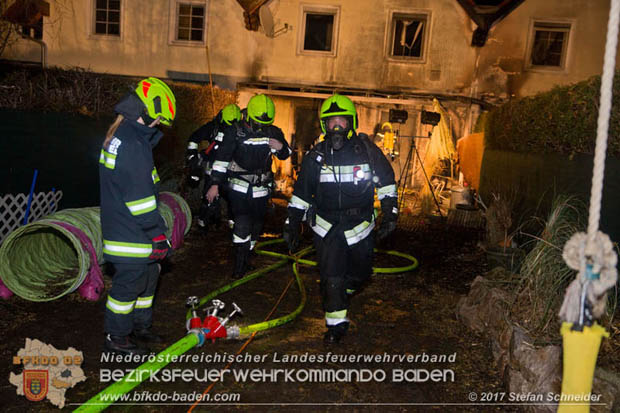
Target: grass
x=545 y=276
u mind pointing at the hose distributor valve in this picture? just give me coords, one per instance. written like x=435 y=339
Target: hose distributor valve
x=195 y=321
x=194 y=324
x=215 y=327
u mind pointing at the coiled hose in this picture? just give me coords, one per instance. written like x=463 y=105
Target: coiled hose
x=56 y=255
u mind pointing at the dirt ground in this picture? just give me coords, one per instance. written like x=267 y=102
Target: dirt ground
x=404 y=314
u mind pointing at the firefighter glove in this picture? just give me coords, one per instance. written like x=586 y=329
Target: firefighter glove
x=385 y=229
x=160 y=248
x=192 y=158
x=389 y=209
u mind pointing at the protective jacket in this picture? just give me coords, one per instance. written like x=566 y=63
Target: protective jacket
x=245 y=156
x=129 y=194
x=336 y=188
x=212 y=133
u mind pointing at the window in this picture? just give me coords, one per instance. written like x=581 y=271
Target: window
x=190 y=22
x=188 y=27
x=407 y=37
x=319 y=30
x=549 y=43
x=108 y=17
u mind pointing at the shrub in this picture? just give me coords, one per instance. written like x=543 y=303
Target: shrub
x=562 y=120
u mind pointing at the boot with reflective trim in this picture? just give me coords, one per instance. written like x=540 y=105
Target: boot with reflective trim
x=335 y=333
x=146 y=335
x=122 y=345
x=242 y=253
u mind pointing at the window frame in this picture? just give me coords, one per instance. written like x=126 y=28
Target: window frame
x=541 y=24
x=391 y=29
x=305 y=9
x=93 y=23
x=174 y=23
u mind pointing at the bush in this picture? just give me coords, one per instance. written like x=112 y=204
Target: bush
x=86 y=93
x=562 y=120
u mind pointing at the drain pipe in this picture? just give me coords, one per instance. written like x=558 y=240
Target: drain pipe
x=43 y=49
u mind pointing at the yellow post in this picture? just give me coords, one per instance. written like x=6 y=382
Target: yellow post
x=580 y=353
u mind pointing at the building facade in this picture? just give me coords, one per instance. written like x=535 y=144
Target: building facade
x=384 y=54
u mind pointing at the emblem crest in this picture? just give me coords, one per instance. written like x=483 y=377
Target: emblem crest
x=36 y=384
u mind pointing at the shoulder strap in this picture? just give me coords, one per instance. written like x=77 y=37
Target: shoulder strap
x=371 y=161
x=240 y=132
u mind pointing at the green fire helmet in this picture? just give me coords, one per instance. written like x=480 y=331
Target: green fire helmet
x=231 y=113
x=158 y=100
x=337 y=105
x=261 y=109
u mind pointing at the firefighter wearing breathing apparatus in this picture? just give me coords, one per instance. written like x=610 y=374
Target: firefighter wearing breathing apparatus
x=200 y=162
x=133 y=230
x=334 y=193
x=243 y=161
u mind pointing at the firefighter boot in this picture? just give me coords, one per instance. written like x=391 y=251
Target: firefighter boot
x=146 y=335
x=203 y=220
x=122 y=345
x=335 y=333
x=242 y=253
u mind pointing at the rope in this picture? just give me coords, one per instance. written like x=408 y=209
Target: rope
x=592 y=254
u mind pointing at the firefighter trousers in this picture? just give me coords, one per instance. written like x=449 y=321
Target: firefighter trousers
x=249 y=215
x=343 y=268
x=130 y=300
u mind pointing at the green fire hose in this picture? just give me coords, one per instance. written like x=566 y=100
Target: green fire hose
x=114 y=392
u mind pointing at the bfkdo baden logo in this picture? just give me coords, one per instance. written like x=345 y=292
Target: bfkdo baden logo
x=47 y=372
x=35 y=384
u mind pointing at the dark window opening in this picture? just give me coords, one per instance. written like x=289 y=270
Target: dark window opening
x=190 y=22
x=319 y=32
x=108 y=17
x=408 y=36
x=549 y=46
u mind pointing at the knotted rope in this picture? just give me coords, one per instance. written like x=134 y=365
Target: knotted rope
x=593 y=254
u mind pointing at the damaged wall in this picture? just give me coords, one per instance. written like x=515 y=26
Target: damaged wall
x=361 y=59
x=504 y=65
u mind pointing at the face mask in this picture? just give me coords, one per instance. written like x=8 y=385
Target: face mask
x=337 y=139
x=337 y=129
x=255 y=126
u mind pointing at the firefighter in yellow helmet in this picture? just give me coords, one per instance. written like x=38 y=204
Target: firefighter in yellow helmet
x=134 y=239
x=201 y=162
x=243 y=163
x=334 y=192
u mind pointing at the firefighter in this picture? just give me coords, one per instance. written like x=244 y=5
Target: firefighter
x=334 y=193
x=201 y=162
x=134 y=239
x=243 y=161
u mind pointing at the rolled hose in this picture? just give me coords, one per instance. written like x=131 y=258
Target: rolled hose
x=52 y=257
x=45 y=260
x=110 y=394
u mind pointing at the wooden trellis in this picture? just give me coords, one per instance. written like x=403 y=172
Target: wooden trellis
x=13 y=209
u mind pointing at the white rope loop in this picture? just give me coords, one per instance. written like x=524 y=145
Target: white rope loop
x=595 y=248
